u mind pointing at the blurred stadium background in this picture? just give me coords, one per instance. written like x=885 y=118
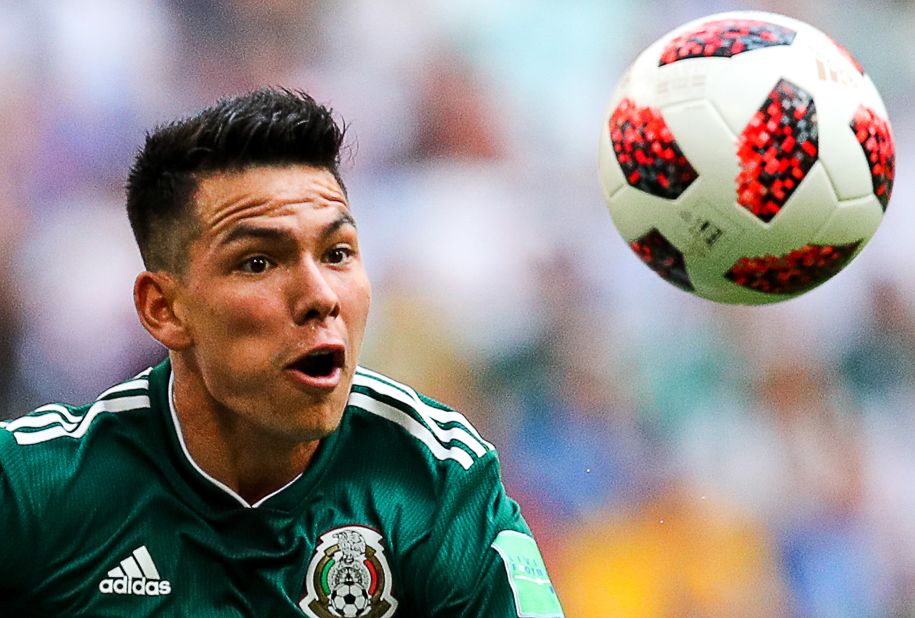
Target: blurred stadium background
x=675 y=458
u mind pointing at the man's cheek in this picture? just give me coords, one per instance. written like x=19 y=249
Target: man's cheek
x=250 y=316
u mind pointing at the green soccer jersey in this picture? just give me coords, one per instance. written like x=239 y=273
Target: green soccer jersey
x=401 y=513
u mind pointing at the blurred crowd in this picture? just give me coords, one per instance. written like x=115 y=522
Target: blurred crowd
x=674 y=457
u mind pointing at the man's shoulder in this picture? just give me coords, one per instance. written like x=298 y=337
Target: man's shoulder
x=434 y=432
x=55 y=436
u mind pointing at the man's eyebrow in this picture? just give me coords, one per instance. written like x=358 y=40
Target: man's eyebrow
x=343 y=219
x=246 y=231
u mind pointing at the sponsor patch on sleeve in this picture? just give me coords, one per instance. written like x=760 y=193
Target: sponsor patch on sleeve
x=527 y=576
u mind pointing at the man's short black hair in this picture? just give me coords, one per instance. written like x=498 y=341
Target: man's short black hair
x=268 y=126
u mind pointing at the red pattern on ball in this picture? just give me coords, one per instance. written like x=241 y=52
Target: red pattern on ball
x=647 y=152
x=796 y=272
x=663 y=258
x=876 y=139
x=776 y=150
x=847 y=54
x=725 y=38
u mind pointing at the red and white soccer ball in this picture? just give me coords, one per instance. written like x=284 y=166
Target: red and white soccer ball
x=746 y=157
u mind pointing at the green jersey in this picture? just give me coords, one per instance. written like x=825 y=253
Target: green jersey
x=401 y=513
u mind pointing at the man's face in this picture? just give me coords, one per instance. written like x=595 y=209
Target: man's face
x=275 y=299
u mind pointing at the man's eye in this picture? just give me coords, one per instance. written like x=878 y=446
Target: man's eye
x=338 y=255
x=255 y=265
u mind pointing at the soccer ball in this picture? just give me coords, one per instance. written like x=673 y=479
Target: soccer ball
x=349 y=600
x=746 y=157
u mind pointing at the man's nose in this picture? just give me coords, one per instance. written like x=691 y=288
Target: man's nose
x=313 y=295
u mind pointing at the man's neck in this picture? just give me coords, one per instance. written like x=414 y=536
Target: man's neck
x=251 y=463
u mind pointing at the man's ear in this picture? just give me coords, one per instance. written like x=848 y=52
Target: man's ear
x=154 y=296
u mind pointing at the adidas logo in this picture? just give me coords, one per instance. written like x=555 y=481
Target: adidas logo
x=137 y=574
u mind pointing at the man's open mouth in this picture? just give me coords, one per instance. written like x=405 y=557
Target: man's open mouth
x=320 y=363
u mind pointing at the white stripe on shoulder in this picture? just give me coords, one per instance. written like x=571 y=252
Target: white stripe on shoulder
x=413 y=398
x=60 y=415
x=138 y=383
x=432 y=415
x=444 y=435
x=77 y=430
x=56 y=413
x=415 y=428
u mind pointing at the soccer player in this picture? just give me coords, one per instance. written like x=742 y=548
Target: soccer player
x=257 y=471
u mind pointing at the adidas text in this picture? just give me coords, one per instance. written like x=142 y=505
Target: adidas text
x=141 y=586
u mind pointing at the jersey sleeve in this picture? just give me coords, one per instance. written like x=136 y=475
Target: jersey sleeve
x=17 y=527
x=480 y=558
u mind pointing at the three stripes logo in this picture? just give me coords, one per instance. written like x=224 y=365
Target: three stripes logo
x=447 y=434
x=54 y=420
x=136 y=575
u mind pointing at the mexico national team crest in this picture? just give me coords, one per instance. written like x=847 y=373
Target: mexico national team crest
x=349 y=576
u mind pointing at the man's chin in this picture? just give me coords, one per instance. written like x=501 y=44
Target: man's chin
x=309 y=427
x=296 y=417
x=312 y=434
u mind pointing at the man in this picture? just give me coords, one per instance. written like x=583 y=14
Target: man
x=258 y=471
